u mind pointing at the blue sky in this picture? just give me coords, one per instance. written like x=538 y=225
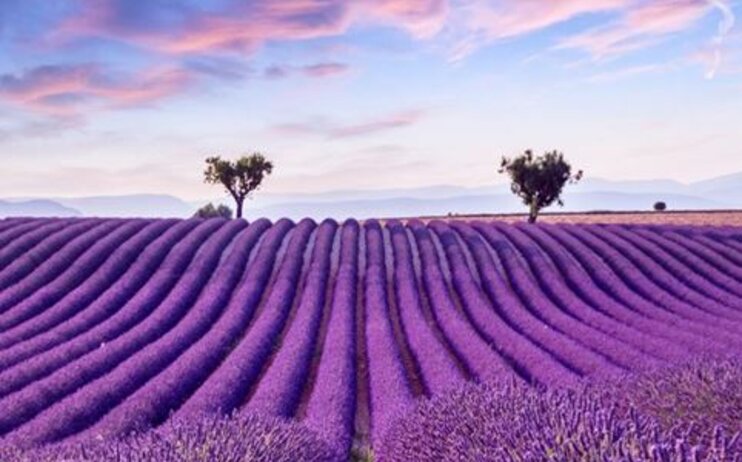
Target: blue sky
x=127 y=96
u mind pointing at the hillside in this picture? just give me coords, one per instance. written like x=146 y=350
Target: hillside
x=36 y=208
x=108 y=325
x=135 y=205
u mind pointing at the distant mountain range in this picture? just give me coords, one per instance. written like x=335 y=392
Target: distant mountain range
x=137 y=205
x=36 y=208
x=723 y=192
x=590 y=195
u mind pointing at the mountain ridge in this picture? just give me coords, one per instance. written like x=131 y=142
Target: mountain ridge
x=723 y=192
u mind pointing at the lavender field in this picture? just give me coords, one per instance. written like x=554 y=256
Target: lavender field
x=110 y=326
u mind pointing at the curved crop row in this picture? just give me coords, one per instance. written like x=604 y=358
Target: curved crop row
x=120 y=307
x=332 y=402
x=651 y=299
x=280 y=388
x=437 y=365
x=72 y=276
x=226 y=389
x=55 y=323
x=546 y=307
x=638 y=349
x=390 y=391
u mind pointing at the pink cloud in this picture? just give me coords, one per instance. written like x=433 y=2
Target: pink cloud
x=483 y=21
x=335 y=130
x=422 y=18
x=46 y=81
x=391 y=121
x=640 y=26
x=516 y=17
x=318 y=70
x=627 y=72
x=635 y=24
x=147 y=87
x=244 y=27
x=65 y=90
x=325 y=69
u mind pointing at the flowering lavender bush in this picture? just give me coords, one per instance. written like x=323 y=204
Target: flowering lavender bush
x=207 y=439
x=699 y=396
x=512 y=422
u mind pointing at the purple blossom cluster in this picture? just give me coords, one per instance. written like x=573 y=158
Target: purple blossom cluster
x=205 y=439
x=508 y=422
x=698 y=395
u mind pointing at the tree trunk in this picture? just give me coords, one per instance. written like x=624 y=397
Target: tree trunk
x=238 y=212
x=532 y=213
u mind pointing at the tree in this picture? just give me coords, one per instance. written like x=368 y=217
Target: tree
x=240 y=178
x=660 y=206
x=209 y=211
x=538 y=180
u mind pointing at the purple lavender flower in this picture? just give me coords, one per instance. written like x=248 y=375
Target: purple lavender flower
x=507 y=422
x=209 y=438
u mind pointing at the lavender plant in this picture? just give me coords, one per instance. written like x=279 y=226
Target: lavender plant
x=508 y=422
x=702 y=396
x=206 y=439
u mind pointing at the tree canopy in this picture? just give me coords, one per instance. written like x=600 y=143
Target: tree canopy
x=538 y=180
x=240 y=177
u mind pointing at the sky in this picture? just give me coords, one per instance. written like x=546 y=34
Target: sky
x=130 y=96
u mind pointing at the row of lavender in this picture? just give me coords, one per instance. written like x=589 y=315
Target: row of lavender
x=110 y=326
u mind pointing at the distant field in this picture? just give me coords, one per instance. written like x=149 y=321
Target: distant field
x=697 y=218
x=111 y=325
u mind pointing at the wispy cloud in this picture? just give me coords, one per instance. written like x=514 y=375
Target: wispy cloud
x=627 y=72
x=370 y=168
x=725 y=27
x=325 y=69
x=71 y=180
x=317 y=70
x=219 y=67
x=180 y=27
x=481 y=22
x=36 y=129
x=638 y=27
x=627 y=25
x=334 y=130
x=64 y=90
x=421 y=18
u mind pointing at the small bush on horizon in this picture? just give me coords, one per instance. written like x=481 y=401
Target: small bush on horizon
x=660 y=206
x=209 y=211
